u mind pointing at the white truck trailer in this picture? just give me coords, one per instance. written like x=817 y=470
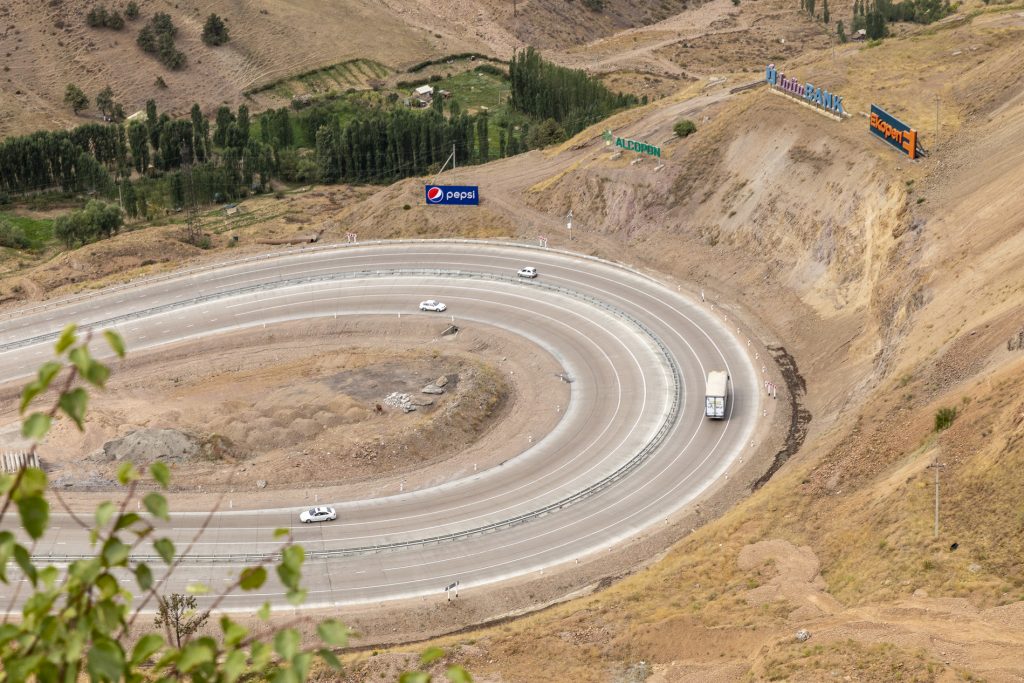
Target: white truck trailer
x=717 y=394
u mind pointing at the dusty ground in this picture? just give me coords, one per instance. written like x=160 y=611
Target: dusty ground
x=296 y=407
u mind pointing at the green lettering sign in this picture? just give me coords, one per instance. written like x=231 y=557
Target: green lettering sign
x=632 y=145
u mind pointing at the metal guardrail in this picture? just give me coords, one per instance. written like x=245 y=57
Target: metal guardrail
x=250 y=558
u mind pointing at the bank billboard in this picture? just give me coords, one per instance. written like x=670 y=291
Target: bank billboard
x=448 y=195
x=893 y=131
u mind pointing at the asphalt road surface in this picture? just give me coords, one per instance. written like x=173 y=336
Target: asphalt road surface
x=632 y=447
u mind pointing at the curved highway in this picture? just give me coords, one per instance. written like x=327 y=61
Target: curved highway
x=631 y=448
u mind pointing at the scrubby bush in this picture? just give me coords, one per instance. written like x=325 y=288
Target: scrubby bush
x=944 y=418
x=215 y=31
x=157 y=37
x=98 y=220
x=684 y=128
x=13 y=237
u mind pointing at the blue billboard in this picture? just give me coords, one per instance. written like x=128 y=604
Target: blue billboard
x=452 y=194
x=892 y=130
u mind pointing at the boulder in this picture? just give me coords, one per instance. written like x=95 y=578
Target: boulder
x=432 y=389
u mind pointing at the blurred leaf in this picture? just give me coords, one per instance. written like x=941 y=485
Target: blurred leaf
x=330 y=659
x=35 y=426
x=194 y=654
x=160 y=473
x=104 y=511
x=30 y=391
x=234 y=666
x=47 y=371
x=165 y=547
x=32 y=484
x=105 y=661
x=127 y=473
x=147 y=646
x=126 y=520
x=286 y=643
x=414 y=677
x=48 y=575
x=280 y=532
x=456 y=674
x=333 y=632
x=35 y=513
x=252 y=578
x=97 y=374
x=115 y=341
x=67 y=338
x=197 y=588
x=144 y=576
x=234 y=632
x=24 y=561
x=73 y=403
x=81 y=359
x=296 y=596
x=293 y=557
x=107 y=585
x=157 y=505
x=431 y=655
x=115 y=553
x=264 y=611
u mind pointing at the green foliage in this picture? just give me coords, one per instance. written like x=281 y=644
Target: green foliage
x=132 y=10
x=97 y=221
x=107 y=106
x=76 y=624
x=594 y=5
x=12 y=236
x=825 y=16
x=545 y=133
x=100 y=17
x=684 y=128
x=944 y=418
x=215 y=31
x=840 y=32
x=75 y=98
x=571 y=97
x=157 y=37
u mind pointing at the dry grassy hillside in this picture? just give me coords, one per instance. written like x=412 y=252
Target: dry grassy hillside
x=44 y=45
x=897 y=287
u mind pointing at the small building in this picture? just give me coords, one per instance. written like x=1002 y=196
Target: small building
x=424 y=93
x=860 y=34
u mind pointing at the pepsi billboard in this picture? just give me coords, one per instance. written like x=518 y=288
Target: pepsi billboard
x=459 y=195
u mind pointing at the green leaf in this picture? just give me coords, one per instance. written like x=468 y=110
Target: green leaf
x=333 y=632
x=234 y=632
x=97 y=374
x=456 y=674
x=105 y=661
x=286 y=643
x=330 y=659
x=35 y=513
x=234 y=666
x=414 y=677
x=296 y=596
x=281 y=532
x=300 y=665
x=431 y=655
x=30 y=391
x=161 y=473
x=293 y=557
x=107 y=586
x=194 y=654
x=67 y=338
x=197 y=588
x=48 y=576
x=144 y=576
x=264 y=611
x=115 y=553
x=127 y=473
x=35 y=426
x=157 y=505
x=6 y=482
x=115 y=341
x=73 y=403
x=81 y=359
x=165 y=547
x=126 y=520
x=32 y=484
x=252 y=578
x=147 y=646
x=24 y=561
x=104 y=511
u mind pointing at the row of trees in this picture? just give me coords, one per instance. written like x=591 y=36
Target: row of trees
x=571 y=97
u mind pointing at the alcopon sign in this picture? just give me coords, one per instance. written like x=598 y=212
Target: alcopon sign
x=631 y=145
x=814 y=95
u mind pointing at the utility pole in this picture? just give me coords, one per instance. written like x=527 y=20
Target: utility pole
x=936 y=145
x=937 y=466
x=568 y=223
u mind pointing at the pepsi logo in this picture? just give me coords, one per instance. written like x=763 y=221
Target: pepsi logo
x=435 y=194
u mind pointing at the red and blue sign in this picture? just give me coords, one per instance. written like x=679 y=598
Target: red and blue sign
x=823 y=99
x=459 y=195
x=895 y=132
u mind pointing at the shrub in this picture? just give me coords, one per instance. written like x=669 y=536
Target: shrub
x=75 y=98
x=12 y=236
x=684 y=128
x=157 y=37
x=944 y=418
x=132 y=10
x=215 y=32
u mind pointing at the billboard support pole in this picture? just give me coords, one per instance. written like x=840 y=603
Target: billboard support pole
x=450 y=158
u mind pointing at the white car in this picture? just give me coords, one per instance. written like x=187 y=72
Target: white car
x=432 y=305
x=318 y=514
x=528 y=271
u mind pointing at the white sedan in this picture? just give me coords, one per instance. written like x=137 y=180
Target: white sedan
x=432 y=305
x=528 y=271
x=318 y=514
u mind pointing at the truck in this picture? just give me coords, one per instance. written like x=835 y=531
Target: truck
x=717 y=394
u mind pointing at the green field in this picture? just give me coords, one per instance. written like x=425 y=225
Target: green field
x=37 y=231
